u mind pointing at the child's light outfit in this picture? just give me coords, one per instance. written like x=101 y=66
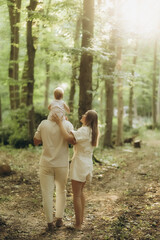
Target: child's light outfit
x=58 y=107
x=82 y=166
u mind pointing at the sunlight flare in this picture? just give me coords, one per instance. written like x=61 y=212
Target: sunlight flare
x=141 y=16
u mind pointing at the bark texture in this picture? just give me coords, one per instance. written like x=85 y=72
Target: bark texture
x=108 y=71
x=154 y=88
x=85 y=78
x=75 y=64
x=131 y=90
x=14 y=7
x=119 y=140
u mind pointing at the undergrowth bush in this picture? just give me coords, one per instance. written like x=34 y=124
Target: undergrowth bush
x=15 y=130
x=5 y=132
x=19 y=125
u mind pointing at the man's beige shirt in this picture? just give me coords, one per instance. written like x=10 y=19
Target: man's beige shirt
x=55 y=147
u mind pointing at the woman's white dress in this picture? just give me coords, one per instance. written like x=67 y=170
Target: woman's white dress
x=82 y=166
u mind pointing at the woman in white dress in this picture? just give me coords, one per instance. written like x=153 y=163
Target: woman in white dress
x=84 y=140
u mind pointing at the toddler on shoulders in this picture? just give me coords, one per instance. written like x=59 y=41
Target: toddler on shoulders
x=58 y=106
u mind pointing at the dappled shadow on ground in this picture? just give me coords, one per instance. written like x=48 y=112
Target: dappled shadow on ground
x=123 y=199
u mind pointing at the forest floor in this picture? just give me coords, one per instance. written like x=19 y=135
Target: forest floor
x=123 y=200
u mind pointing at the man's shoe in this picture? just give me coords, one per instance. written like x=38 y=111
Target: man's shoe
x=59 y=222
x=50 y=227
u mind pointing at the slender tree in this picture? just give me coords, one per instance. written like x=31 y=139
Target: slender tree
x=47 y=65
x=154 y=88
x=108 y=71
x=85 y=78
x=28 y=70
x=109 y=90
x=119 y=139
x=24 y=80
x=158 y=101
x=31 y=51
x=75 y=64
x=131 y=85
x=14 y=7
x=0 y=112
x=47 y=82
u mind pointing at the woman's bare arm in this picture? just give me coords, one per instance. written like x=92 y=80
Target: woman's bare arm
x=68 y=136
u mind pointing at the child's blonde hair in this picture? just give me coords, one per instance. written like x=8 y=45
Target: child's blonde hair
x=58 y=93
x=92 y=121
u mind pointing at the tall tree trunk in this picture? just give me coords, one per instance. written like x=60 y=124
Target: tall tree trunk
x=30 y=68
x=75 y=64
x=119 y=140
x=158 y=101
x=47 y=82
x=24 y=86
x=131 y=90
x=14 y=7
x=154 y=90
x=108 y=71
x=0 y=112
x=85 y=78
x=109 y=89
x=101 y=107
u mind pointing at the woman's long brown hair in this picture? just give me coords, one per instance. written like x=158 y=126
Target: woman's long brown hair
x=92 y=121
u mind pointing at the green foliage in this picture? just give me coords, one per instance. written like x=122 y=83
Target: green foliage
x=39 y=115
x=54 y=29
x=5 y=132
x=4 y=43
x=19 y=125
x=15 y=131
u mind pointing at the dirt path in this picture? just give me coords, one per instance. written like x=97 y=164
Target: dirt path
x=123 y=201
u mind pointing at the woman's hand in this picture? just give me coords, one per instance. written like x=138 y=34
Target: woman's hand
x=36 y=141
